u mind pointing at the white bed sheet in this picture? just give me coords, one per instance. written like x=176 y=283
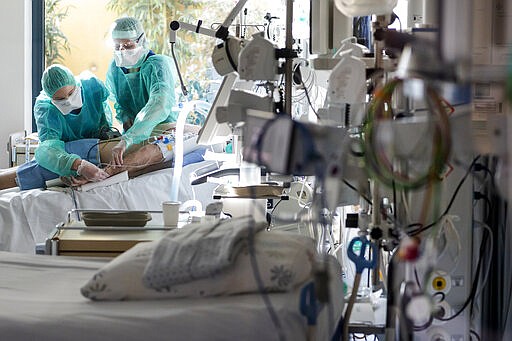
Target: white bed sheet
x=40 y=300
x=27 y=217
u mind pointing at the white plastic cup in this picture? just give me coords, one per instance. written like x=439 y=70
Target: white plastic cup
x=249 y=174
x=171 y=212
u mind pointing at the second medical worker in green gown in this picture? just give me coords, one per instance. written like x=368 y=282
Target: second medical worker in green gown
x=141 y=84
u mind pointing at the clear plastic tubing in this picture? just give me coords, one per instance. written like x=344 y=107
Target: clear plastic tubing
x=178 y=147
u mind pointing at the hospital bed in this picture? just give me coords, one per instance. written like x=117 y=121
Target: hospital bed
x=40 y=299
x=27 y=217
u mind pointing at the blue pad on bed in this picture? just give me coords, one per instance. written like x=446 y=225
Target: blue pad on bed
x=31 y=175
x=194 y=156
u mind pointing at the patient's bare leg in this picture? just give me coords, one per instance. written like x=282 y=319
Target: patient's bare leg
x=139 y=159
x=134 y=161
x=8 y=178
x=105 y=148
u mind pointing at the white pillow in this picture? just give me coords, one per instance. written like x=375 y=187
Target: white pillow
x=285 y=260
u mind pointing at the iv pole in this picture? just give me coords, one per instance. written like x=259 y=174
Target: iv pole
x=289 y=60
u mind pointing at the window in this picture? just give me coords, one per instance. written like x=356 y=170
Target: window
x=78 y=33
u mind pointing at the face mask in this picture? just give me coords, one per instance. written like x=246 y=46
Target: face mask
x=129 y=58
x=73 y=102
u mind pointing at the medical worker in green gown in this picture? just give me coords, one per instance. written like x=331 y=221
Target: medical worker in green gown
x=70 y=113
x=141 y=85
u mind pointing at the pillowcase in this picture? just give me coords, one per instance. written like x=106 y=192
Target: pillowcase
x=198 y=251
x=284 y=260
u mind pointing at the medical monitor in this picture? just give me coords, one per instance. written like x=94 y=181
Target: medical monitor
x=212 y=131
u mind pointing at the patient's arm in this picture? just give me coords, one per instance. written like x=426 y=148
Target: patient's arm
x=137 y=161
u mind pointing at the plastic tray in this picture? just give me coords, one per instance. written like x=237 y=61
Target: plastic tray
x=116 y=218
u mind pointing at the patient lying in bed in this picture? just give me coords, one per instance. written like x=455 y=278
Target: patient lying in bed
x=154 y=154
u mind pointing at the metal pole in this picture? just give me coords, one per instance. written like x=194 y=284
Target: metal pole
x=289 y=61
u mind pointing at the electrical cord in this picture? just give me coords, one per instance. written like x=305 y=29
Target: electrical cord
x=277 y=204
x=441 y=294
x=407 y=291
x=298 y=79
x=306 y=88
x=488 y=268
x=352 y=187
x=474 y=285
x=399 y=21
x=416 y=278
x=472 y=332
x=424 y=326
x=505 y=320
x=257 y=276
x=481 y=196
x=184 y=90
x=309 y=101
x=100 y=140
x=509 y=300
x=481 y=167
x=108 y=133
x=450 y=203
x=264 y=295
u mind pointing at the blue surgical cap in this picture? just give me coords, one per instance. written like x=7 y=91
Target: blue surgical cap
x=127 y=28
x=55 y=77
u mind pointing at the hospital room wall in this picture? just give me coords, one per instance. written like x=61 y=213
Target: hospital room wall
x=16 y=62
x=87 y=28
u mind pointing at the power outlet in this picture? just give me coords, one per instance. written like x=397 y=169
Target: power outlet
x=440 y=281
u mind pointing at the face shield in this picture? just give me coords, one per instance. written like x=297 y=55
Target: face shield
x=128 y=52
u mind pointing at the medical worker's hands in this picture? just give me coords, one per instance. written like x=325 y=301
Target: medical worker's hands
x=90 y=172
x=117 y=153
